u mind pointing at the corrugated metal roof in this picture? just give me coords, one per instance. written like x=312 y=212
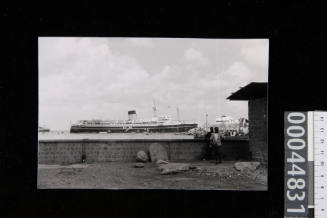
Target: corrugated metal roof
x=251 y=91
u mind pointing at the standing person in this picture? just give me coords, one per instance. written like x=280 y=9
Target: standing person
x=216 y=143
x=208 y=148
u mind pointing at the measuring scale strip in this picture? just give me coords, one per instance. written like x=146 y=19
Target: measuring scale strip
x=320 y=169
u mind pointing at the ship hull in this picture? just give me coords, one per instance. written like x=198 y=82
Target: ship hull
x=160 y=129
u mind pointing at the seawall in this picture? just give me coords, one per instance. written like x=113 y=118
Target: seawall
x=107 y=150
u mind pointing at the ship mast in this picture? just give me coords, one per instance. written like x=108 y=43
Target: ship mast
x=178 y=117
x=206 y=122
x=154 y=109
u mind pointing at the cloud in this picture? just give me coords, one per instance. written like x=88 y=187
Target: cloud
x=238 y=74
x=77 y=75
x=196 y=56
x=257 y=55
x=140 y=42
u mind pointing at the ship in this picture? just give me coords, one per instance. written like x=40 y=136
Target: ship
x=227 y=123
x=161 y=124
x=42 y=129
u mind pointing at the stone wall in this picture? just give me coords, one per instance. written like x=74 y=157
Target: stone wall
x=258 y=128
x=71 y=151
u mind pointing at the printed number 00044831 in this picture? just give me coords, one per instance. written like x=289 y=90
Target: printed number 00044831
x=295 y=144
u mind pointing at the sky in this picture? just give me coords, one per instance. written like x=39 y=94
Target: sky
x=84 y=78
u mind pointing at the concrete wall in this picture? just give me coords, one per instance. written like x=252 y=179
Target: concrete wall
x=71 y=151
x=258 y=128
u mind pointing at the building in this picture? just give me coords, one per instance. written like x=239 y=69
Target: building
x=256 y=95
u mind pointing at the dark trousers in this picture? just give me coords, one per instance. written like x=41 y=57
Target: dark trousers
x=207 y=152
x=217 y=153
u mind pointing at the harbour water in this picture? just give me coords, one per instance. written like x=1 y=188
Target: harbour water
x=67 y=135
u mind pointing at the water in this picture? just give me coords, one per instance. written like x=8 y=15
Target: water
x=67 y=135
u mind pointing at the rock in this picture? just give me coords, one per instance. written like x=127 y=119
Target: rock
x=157 y=152
x=162 y=162
x=139 y=165
x=241 y=166
x=141 y=156
x=172 y=168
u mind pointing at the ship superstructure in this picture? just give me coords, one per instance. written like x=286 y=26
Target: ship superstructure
x=227 y=123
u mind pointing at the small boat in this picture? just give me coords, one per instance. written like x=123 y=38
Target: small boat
x=42 y=129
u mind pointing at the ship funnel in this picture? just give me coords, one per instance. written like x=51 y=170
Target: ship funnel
x=132 y=115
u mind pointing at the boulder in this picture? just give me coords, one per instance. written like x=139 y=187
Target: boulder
x=139 y=165
x=172 y=168
x=141 y=156
x=193 y=167
x=162 y=162
x=157 y=152
x=241 y=166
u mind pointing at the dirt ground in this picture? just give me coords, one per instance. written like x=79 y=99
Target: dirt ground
x=121 y=175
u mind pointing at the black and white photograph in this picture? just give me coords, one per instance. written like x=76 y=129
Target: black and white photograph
x=152 y=113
